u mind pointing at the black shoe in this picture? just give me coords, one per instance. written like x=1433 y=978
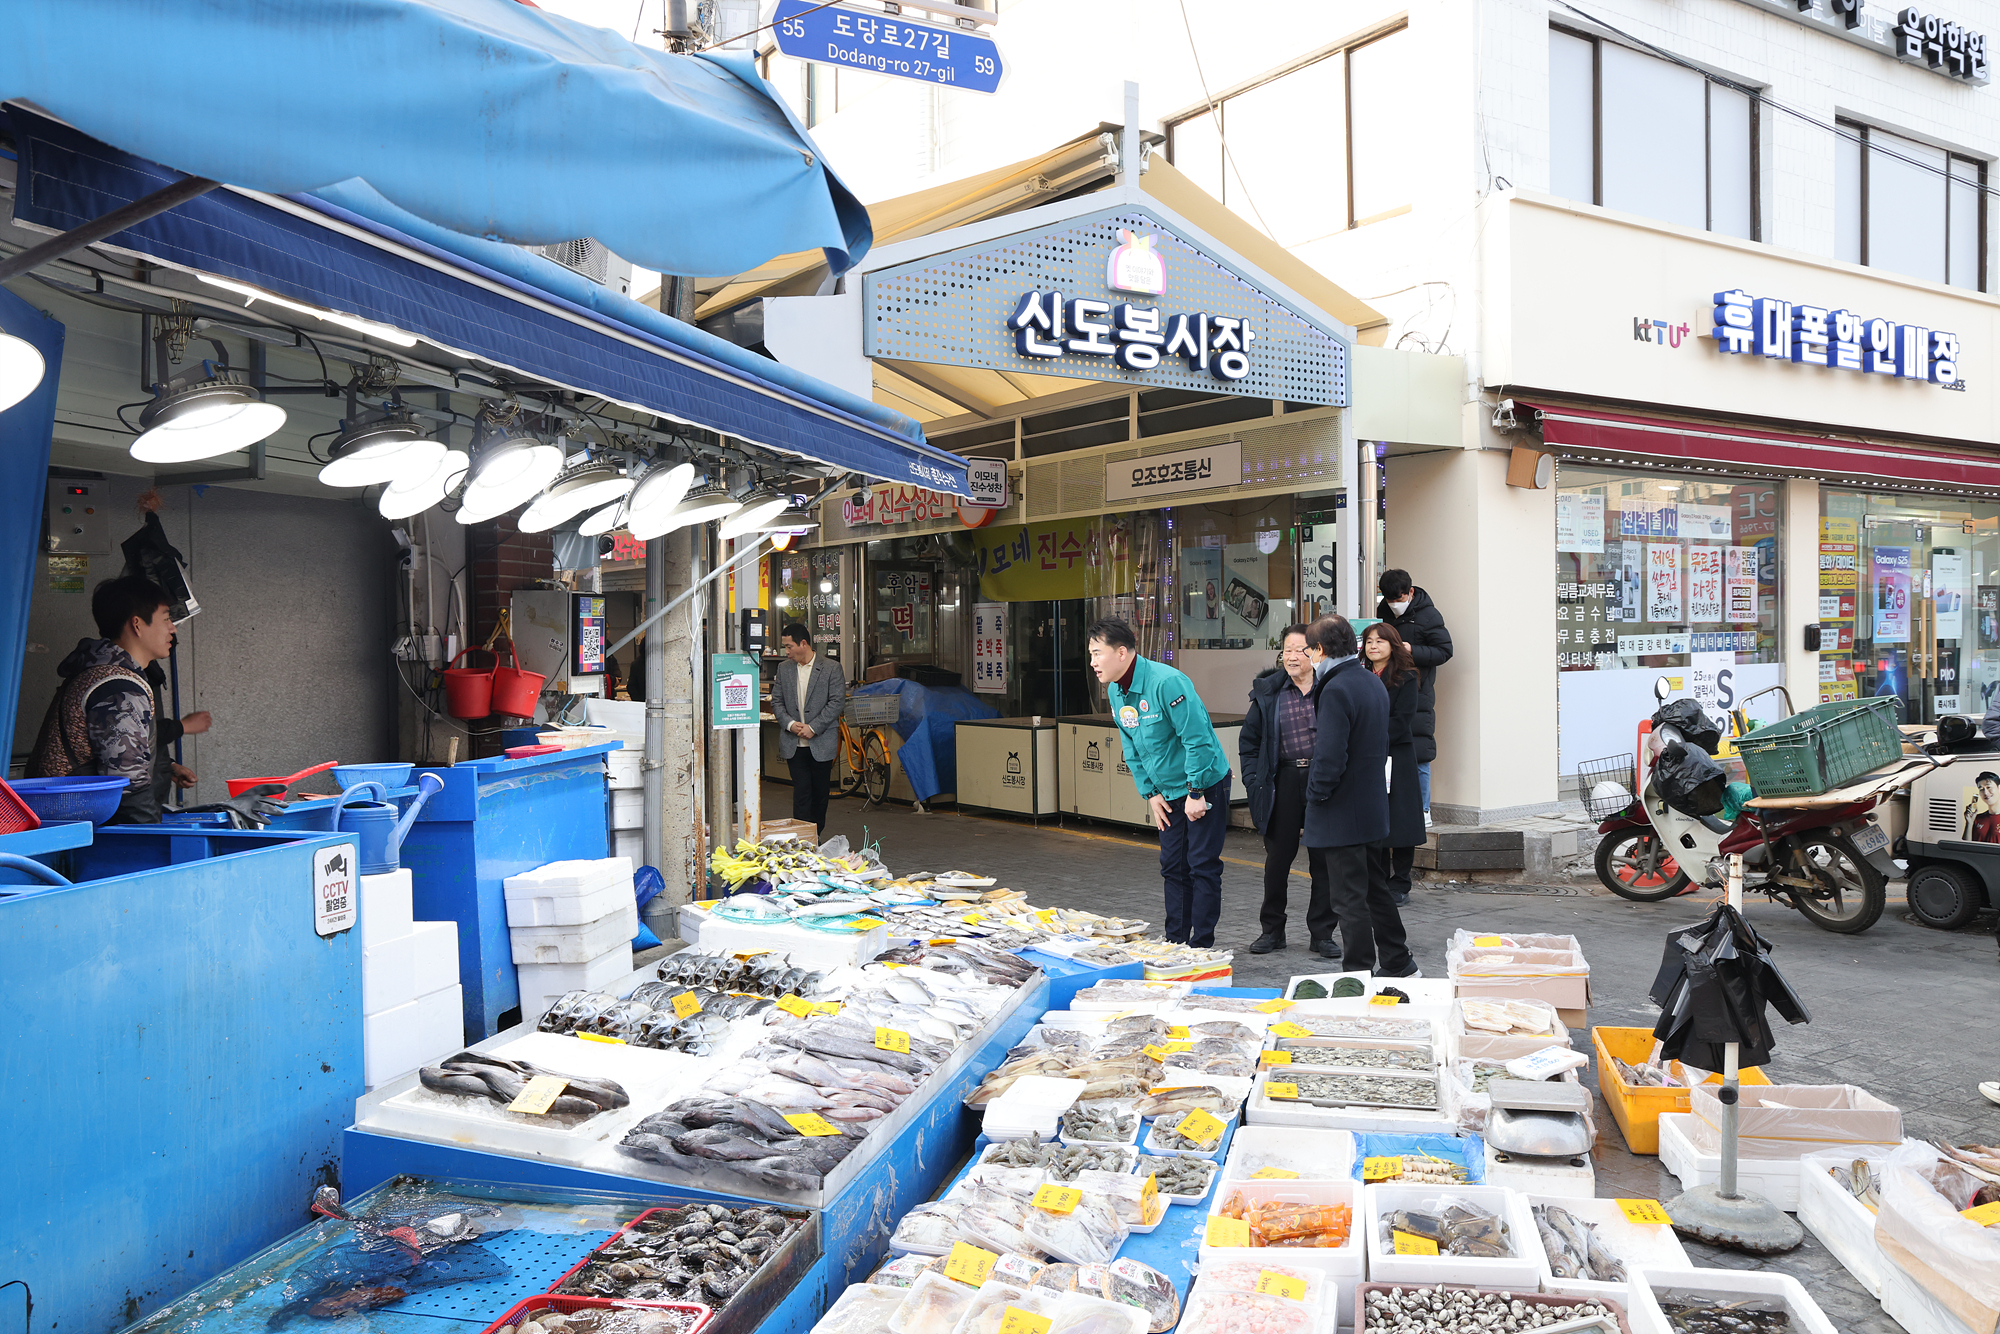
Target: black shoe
x=1270 y=940
x=1400 y=900
x=1328 y=949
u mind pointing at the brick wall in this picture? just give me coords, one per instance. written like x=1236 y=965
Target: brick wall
x=504 y=560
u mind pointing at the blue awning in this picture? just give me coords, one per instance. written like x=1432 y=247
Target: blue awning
x=486 y=117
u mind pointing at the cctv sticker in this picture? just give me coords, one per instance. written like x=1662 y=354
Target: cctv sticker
x=336 y=889
x=1128 y=716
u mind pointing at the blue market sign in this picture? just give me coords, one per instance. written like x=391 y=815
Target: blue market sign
x=897 y=47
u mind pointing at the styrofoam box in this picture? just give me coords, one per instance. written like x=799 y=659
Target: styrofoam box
x=576 y=944
x=629 y=844
x=1777 y=1180
x=541 y=983
x=1345 y=1265
x=385 y=906
x=1635 y=1243
x=620 y=715
x=434 y=956
x=1844 y=1224
x=1316 y=1155
x=562 y=908
x=388 y=974
x=1543 y=1176
x=1266 y=1111
x=807 y=948
x=1905 y=1301
x=1524 y=1271
x=628 y=808
x=1729 y=1285
x=418 y=1032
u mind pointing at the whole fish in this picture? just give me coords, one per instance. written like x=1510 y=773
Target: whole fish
x=716 y=1142
x=1171 y=1102
x=828 y=1045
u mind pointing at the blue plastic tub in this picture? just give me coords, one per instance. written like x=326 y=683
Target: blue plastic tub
x=388 y=775
x=59 y=799
x=197 y=819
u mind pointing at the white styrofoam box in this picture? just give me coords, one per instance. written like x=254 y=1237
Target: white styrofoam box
x=628 y=809
x=1316 y=1155
x=620 y=715
x=625 y=769
x=1635 y=1243
x=629 y=844
x=541 y=983
x=385 y=906
x=1266 y=1111
x=433 y=956
x=570 y=738
x=1572 y=1178
x=1523 y=1271
x=1776 y=1179
x=565 y=909
x=1780 y=1291
x=567 y=879
x=576 y=944
x=1844 y=1224
x=807 y=948
x=1909 y=1304
x=415 y=1033
x=388 y=974
x=1345 y=1265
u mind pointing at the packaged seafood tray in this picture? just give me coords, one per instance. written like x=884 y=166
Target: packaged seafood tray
x=1464 y=1152
x=1477 y=1033
x=1354 y=1054
x=656 y=1234
x=1214 y=1310
x=1630 y=1244
x=1389 y=1089
x=1162 y=1140
x=1262 y=1110
x=1345 y=1021
x=1197 y=1175
x=1080 y=1123
x=1061 y=1161
x=861 y=1308
x=1129 y=993
x=1659 y=1294
x=1339 y=1268
x=1776 y=1179
x=1309 y=1155
x=1080 y=1313
x=1485 y=1218
x=1235 y=1279
x=1495 y=1298
x=597 y=1315
x=1832 y=1212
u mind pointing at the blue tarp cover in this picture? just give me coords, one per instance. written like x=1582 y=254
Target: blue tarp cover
x=927 y=719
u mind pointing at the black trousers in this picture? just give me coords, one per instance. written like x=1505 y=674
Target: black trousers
x=812 y=780
x=1371 y=930
x=1281 y=848
x=1400 y=862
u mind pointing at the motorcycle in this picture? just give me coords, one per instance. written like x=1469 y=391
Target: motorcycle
x=1829 y=859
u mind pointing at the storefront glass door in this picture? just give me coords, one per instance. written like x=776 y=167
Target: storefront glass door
x=1055 y=679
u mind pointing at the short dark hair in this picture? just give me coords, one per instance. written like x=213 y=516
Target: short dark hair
x=1984 y=775
x=797 y=632
x=1113 y=633
x=1295 y=628
x=115 y=602
x=1395 y=583
x=1333 y=636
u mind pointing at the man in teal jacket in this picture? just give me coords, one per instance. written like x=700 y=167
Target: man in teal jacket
x=1171 y=749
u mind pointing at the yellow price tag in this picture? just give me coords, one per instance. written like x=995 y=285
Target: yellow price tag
x=538 y=1094
x=945 y=940
x=892 y=1039
x=826 y=1007
x=1408 y=1243
x=1645 y=1211
x=1274 y=1174
x=969 y=1264
x=598 y=1037
x=1046 y=915
x=1274 y=1006
x=809 y=1123
x=1276 y=1090
x=1155 y=1053
x=1385 y=1000
x=1171 y=1047
x=1487 y=942
x=1148 y=1192
x=1057 y=1199
x=1986 y=1215
x=796 y=1005
x=1381 y=1169
x=751 y=954
x=1016 y=1321
x=1274 y=1057
x=1200 y=1127
x=973 y=918
x=864 y=924
x=895 y=965
x=685 y=1004
x=1227 y=1231
x=1273 y=1284
x=1287 y=1029
x=1177 y=1031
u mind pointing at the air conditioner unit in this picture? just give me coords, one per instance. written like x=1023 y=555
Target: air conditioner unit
x=589 y=258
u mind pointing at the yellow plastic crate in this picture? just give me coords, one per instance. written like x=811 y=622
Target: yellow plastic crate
x=1637 y=1108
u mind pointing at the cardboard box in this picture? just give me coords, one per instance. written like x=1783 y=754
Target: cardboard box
x=881 y=671
x=1546 y=968
x=1807 y=1117
x=804 y=829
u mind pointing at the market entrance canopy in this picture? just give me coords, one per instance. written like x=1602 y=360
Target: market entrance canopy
x=486 y=117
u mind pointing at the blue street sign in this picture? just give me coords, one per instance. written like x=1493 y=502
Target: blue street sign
x=897 y=47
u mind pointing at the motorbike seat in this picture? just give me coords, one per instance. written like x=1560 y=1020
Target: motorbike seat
x=1716 y=824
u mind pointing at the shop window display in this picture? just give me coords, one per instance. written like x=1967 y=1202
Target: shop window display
x=1235 y=572
x=805 y=587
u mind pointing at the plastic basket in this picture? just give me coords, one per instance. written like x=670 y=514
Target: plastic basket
x=873 y=710
x=1821 y=748
x=1590 y=774
x=696 y=1315
x=60 y=800
x=15 y=817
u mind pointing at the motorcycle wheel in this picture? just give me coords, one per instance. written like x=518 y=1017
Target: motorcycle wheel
x=1632 y=864
x=1851 y=893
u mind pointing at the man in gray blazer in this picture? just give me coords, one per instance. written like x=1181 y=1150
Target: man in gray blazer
x=807 y=698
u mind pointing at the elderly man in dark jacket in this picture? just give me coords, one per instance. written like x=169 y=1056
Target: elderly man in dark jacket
x=1276 y=746
x=1347 y=799
x=1421 y=625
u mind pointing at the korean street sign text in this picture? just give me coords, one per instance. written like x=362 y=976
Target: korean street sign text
x=897 y=504
x=896 y=47
x=1047 y=325
x=1835 y=339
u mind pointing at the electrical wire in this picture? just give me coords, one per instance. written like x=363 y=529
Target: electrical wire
x=1216 y=116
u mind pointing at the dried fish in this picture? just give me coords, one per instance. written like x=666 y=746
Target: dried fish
x=1362 y=1058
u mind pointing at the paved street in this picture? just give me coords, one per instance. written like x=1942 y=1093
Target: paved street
x=1902 y=1011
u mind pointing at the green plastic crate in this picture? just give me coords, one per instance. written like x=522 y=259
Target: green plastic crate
x=1821 y=748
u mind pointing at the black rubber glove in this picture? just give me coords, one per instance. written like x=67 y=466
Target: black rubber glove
x=252 y=810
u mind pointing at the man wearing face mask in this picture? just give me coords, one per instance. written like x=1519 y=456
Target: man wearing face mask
x=1416 y=618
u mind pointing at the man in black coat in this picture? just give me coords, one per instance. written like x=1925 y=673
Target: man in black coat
x=1347 y=799
x=1421 y=624
x=1276 y=746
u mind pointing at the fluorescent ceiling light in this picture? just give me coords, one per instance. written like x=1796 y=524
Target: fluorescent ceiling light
x=21 y=369
x=382 y=450
x=405 y=496
x=202 y=414
x=388 y=333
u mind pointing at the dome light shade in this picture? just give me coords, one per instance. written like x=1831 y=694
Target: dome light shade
x=604 y=520
x=407 y=496
x=661 y=489
x=21 y=369
x=756 y=514
x=381 y=450
x=576 y=490
x=701 y=505
x=508 y=472
x=202 y=414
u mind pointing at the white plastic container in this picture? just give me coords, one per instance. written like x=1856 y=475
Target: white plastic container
x=1776 y=1179
x=1905 y=1301
x=1153 y=1145
x=1138 y=1129
x=619 y=715
x=1145 y=1167
x=385 y=906
x=576 y=944
x=1637 y=1244
x=1344 y=1265
x=541 y=983
x=626 y=768
x=1843 y=1224
x=567 y=893
x=416 y=1033
x=1730 y=1285
x=1570 y=1178
x=1524 y=1271
x=433 y=956
x=1316 y=1155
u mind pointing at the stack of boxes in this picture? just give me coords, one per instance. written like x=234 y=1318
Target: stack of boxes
x=411 y=1003
x=571 y=924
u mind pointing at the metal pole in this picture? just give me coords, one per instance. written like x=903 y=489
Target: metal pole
x=721 y=769
x=76 y=238
x=1730 y=1083
x=654 y=772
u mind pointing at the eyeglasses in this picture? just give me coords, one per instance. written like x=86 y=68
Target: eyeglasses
x=1292 y=650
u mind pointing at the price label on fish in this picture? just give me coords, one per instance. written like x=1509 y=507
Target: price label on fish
x=1986 y=1215
x=1645 y=1211
x=1274 y=1284
x=1286 y=1029
x=1487 y=942
x=1200 y=1127
x=1227 y=1231
x=1409 y=1243
x=809 y=1123
x=685 y=1004
x=1016 y=1321
x=599 y=1037
x=944 y=940
x=826 y=1007
x=1171 y=1047
x=1274 y=1174
x=1381 y=1169
x=538 y=1095
x=1281 y=1091
x=1385 y=1000
x=1177 y=1031
x=1149 y=1192
x=1274 y=1006
x=796 y=1005
x=892 y=1039
x=1156 y=1053
x=1057 y=1199
x=969 y=1264
x=973 y=918
x=1275 y=1057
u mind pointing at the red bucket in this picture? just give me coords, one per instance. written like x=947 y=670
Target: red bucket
x=468 y=693
x=516 y=692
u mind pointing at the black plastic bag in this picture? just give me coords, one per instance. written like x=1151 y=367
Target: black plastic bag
x=1690 y=781
x=148 y=552
x=1715 y=981
x=1686 y=716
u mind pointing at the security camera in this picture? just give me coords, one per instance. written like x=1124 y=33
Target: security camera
x=1503 y=416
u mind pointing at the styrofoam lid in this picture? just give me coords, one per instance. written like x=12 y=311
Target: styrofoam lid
x=1039 y=1091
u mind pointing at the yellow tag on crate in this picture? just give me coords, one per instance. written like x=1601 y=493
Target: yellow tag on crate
x=1286 y=1029
x=1200 y=1127
x=1408 y=1243
x=1381 y=1169
x=1487 y=942
x=1274 y=1058
x=1177 y=1031
x=598 y=1037
x=811 y=1123
x=1273 y=1284
x=796 y=1005
x=892 y=1039
x=1986 y=1215
x=1385 y=1000
x=1016 y=1321
x=1274 y=1006
x=538 y=1094
x=1058 y=1199
x=1148 y=1192
x=969 y=1264
x=1227 y=1231
x=1276 y=1090
x=1274 y=1174
x=1645 y=1211
x=685 y=1004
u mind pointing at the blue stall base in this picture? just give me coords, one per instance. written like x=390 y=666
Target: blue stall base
x=42 y=844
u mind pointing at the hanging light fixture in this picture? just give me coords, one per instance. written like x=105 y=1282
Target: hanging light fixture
x=586 y=486
x=509 y=470
x=380 y=447
x=789 y=527
x=200 y=413
x=386 y=332
x=702 y=504
x=409 y=495
x=21 y=369
x=655 y=498
x=606 y=519
x=759 y=508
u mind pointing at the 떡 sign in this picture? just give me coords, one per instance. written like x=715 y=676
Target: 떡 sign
x=989 y=648
x=732 y=701
x=1842 y=340
x=1195 y=469
x=893 y=46
x=336 y=889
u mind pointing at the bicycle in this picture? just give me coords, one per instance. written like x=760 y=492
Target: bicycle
x=866 y=746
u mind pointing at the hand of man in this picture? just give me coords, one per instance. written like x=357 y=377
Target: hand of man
x=807 y=732
x=183 y=776
x=194 y=724
x=1197 y=806
x=1162 y=814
